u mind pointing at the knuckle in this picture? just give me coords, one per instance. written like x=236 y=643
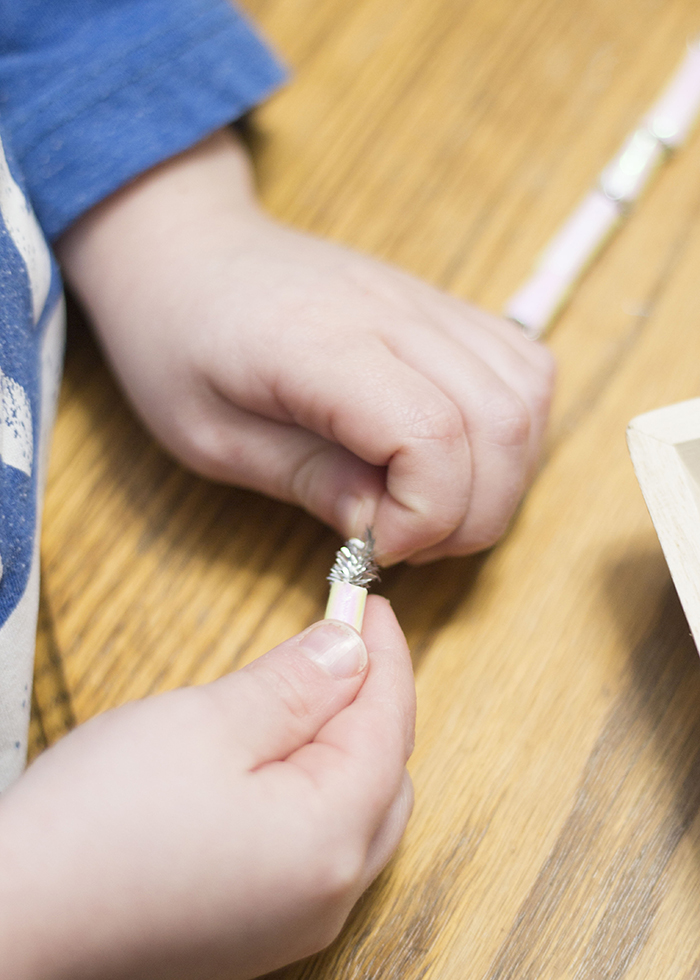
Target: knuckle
x=446 y=518
x=508 y=420
x=441 y=423
x=341 y=872
x=487 y=536
x=200 y=447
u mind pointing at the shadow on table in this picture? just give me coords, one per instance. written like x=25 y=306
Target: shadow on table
x=642 y=780
x=594 y=902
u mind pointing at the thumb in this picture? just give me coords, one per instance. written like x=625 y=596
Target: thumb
x=278 y=703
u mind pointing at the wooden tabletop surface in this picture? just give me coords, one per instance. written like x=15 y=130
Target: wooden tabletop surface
x=557 y=765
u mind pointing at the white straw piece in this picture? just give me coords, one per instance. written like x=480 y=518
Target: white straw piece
x=627 y=175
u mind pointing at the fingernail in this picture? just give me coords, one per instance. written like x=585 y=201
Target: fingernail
x=355 y=514
x=336 y=647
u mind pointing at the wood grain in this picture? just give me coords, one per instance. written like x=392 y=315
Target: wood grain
x=557 y=765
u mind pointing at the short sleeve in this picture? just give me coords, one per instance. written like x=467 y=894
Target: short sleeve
x=94 y=92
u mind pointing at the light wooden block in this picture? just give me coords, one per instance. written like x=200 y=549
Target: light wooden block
x=665 y=449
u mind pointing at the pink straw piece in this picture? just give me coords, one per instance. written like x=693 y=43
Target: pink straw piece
x=563 y=262
x=675 y=113
x=346 y=603
x=668 y=123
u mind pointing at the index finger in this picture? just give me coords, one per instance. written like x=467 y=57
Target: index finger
x=360 y=394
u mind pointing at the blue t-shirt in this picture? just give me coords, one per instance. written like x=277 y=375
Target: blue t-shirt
x=92 y=93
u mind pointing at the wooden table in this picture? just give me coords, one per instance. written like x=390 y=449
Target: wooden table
x=557 y=765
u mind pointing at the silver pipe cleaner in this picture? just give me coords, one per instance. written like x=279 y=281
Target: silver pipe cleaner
x=354 y=562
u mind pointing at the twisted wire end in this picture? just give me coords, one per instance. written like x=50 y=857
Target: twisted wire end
x=354 y=562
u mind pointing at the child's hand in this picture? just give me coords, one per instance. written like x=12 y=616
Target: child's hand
x=221 y=830
x=270 y=359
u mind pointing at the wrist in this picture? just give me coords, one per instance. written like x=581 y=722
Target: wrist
x=211 y=180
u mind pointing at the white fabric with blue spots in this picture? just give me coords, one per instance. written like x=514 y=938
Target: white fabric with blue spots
x=31 y=348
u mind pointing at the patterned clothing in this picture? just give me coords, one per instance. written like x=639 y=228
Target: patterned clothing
x=92 y=93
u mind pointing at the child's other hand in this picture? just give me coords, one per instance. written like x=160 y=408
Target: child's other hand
x=276 y=361
x=221 y=830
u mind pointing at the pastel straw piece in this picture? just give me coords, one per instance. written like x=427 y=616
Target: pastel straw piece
x=673 y=116
x=352 y=572
x=628 y=173
x=563 y=262
x=346 y=602
x=621 y=183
